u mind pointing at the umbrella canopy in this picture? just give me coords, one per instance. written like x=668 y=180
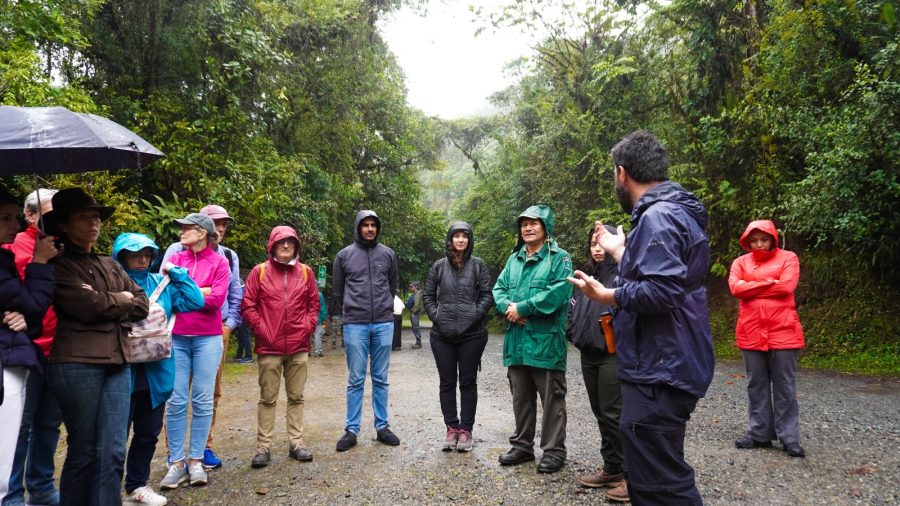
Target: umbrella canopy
x=44 y=140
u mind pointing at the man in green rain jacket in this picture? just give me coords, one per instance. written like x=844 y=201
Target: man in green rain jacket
x=533 y=294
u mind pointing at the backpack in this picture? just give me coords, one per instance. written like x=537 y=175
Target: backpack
x=150 y=339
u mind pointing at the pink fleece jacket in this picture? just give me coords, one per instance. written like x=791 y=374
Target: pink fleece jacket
x=208 y=270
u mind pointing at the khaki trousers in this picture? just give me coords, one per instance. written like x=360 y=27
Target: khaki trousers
x=271 y=368
x=226 y=335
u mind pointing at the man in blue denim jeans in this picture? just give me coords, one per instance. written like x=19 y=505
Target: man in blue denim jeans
x=365 y=283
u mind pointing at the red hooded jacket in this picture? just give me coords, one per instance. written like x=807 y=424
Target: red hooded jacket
x=281 y=302
x=23 y=249
x=764 y=283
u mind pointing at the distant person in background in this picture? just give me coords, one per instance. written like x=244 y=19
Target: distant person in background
x=320 y=324
x=23 y=303
x=770 y=337
x=414 y=304
x=244 y=353
x=398 y=323
x=458 y=297
x=598 y=368
x=336 y=328
x=39 y=432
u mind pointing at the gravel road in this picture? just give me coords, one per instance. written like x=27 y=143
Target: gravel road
x=850 y=425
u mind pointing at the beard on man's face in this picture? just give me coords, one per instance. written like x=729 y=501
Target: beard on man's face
x=624 y=198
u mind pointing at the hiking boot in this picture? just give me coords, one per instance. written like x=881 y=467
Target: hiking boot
x=175 y=476
x=387 y=437
x=550 y=463
x=465 y=442
x=347 y=441
x=300 y=453
x=143 y=495
x=746 y=443
x=515 y=457
x=451 y=440
x=417 y=345
x=197 y=474
x=794 y=450
x=261 y=459
x=601 y=479
x=619 y=493
x=211 y=460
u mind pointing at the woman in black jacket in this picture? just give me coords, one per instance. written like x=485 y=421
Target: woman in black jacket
x=598 y=366
x=457 y=298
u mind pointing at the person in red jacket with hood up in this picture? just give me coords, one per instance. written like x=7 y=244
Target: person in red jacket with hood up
x=769 y=336
x=281 y=305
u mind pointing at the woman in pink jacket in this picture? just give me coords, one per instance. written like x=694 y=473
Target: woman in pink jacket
x=769 y=336
x=197 y=346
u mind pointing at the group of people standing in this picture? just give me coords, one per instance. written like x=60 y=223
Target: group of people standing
x=639 y=320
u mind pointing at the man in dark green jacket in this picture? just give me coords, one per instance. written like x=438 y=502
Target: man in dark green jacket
x=533 y=294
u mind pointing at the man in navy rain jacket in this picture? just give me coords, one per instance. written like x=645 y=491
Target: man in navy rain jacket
x=661 y=324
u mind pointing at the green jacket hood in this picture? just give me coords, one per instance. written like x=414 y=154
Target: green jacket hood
x=539 y=212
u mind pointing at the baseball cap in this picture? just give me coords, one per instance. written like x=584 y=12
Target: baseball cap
x=216 y=212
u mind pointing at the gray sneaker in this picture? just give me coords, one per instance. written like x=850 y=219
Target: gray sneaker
x=197 y=474
x=175 y=476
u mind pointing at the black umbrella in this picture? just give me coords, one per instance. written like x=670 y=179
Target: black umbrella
x=44 y=140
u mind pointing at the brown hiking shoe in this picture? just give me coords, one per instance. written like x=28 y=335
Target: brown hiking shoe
x=618 y=494
x=601 y=479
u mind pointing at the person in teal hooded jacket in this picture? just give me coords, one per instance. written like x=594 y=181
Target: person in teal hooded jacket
x=152 y=382
x=533 y=294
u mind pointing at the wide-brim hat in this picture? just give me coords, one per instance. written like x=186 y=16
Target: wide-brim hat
x=68 y=201
x=201 y=220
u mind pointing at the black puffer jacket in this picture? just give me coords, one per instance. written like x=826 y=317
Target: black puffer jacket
x=584 y=314
x=457 y=300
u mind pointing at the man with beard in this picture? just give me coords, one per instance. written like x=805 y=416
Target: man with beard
x=662 y=336
x=365 y=283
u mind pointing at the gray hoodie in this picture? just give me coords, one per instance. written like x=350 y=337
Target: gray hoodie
x=365 y=278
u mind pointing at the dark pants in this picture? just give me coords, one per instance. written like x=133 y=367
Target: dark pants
x=398 y=323
x=653 y=424
x=601 y=379
x=244 y=345
x=146 y=423
x=772 y=395
x=463 y=358
x=94 y=400
x=38 y=436
x=525 y=384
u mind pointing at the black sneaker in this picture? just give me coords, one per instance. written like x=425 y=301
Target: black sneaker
x=746 y=443
x=417 y=345
x=794 y=450
x=347 y=441
x=387 y=437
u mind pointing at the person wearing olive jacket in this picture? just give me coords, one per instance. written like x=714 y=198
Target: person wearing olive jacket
x=88 y=370
x=457 y=298
x=533 y=294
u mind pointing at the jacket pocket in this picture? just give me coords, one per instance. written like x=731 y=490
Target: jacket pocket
x=98 y=341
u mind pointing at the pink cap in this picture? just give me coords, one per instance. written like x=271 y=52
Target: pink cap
x=216 y=212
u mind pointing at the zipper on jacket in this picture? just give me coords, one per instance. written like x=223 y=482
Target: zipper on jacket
x=371 y=291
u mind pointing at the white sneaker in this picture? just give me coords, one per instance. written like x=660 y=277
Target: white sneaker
x=174 y=477
x=144 y=495
x=197 y=474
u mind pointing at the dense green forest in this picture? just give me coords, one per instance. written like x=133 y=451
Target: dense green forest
x=294 y=111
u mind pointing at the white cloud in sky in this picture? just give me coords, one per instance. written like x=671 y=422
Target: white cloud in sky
x=449 y=71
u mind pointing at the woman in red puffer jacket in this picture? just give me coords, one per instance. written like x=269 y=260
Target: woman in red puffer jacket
x=770 y=337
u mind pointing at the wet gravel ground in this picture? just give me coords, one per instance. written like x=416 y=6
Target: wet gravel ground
x=850 y=425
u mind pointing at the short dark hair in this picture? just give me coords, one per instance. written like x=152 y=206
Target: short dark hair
x=643 y=156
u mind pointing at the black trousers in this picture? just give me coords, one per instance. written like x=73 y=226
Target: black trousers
x=653 y=424
x=398 y=326
x=458 y=361
x=244 y=345
x=146 y=423
x=601 y=378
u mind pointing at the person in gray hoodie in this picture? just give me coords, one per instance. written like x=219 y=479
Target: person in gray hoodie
x=364 y=279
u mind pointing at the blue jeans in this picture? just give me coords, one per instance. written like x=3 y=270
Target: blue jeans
x=38 y=436
x=94 y=400
x=197 y=361
x=362 y=341
x=414 y=320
